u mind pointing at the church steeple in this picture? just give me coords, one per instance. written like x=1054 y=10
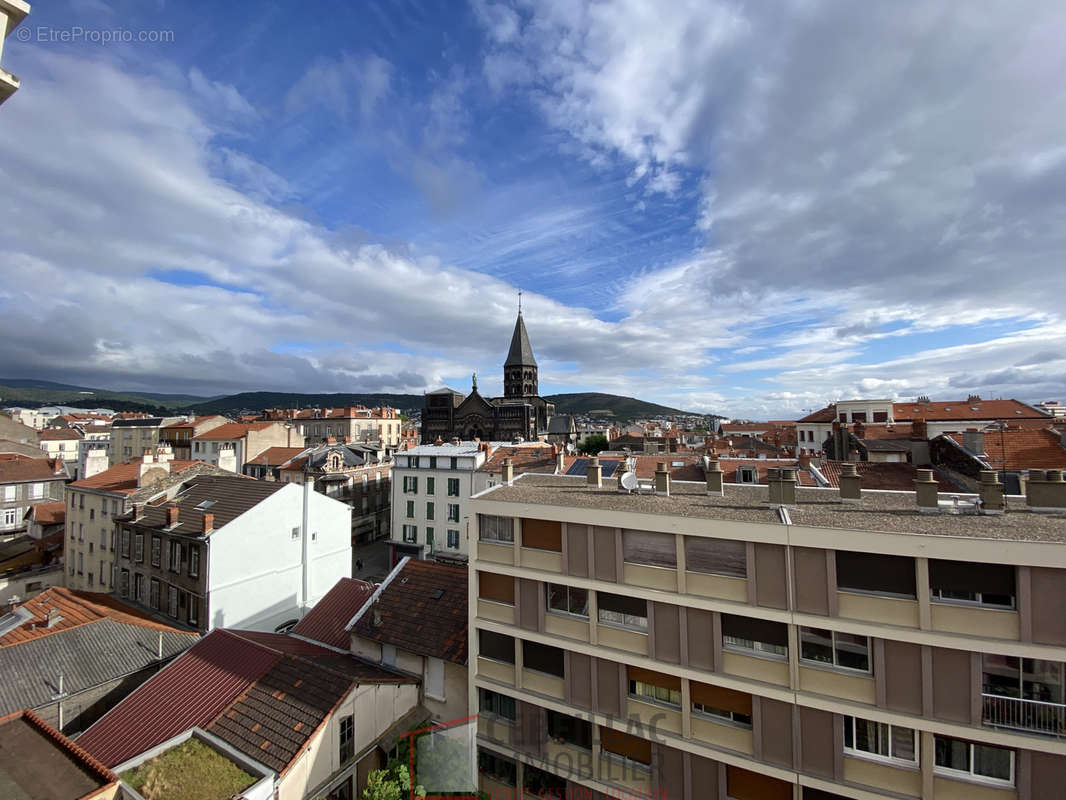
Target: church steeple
x=520 y=368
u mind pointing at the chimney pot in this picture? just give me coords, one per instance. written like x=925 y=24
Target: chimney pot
x=508 y=472
x=172 y=516
x=138 y=511
x=595 y=473
x=715 y=484
x=850 y=484
x=990 y=491
x=1045 y=491
x=662 y=479
x=209 y=523
x=927 y=491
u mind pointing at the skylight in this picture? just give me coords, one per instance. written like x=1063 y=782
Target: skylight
x=203 y=505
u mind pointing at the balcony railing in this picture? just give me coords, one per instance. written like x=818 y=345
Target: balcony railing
x=1034 y=716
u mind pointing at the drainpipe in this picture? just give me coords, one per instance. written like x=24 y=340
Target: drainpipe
x=305 y=537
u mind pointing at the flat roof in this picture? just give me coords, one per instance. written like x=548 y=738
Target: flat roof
x=879 y=511
x=39 y=763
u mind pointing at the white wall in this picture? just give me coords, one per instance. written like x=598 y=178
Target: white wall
x=440 y=500
x=254 y=571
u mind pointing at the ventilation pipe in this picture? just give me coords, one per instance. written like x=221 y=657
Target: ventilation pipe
x=927 y=492
x=850 y=484
x=715 y=483
x=595 y=473
x=991 y=493
x=662 y=479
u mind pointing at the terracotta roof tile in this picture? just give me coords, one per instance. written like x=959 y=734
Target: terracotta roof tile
x=122 y=478
x=966 y=409
x=276 y=456
x=48 y=513
x=16 y=468
x=327 y=622
x=233 y=430
x=414 y=617
x=881 y=475
x=60 y=434
x=1017 y=449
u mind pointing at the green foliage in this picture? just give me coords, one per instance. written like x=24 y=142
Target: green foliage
x=391 y=783
x=594 y=445
x=609 y=405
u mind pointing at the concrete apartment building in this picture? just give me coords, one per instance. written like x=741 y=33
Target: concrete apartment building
x=93 y=504
x=132 y=436
x=770 y=642
x=229 y=551
x=179 y=434
x=352 y=423
x=233 y=445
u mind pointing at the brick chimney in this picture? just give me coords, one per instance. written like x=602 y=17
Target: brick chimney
x=927 y=491
x=172 y=516
x=662 y=479
x=208 y=523
x=974 y=441
x=595 y=473
x=850 y=484
x=919 y=430
x=804 y=460
x=507 y=472
x=991 y=493
x=715 y=478
x=138 y=511
x=1045 y=491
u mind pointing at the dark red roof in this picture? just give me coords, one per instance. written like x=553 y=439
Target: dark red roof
x=191 y=691
x=1021 y=449
x=422 y=609
x=882 y=475
x=328 y=621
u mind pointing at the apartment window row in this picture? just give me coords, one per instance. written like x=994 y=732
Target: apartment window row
x=176 y=551
x=160 y=596
x=431 y=462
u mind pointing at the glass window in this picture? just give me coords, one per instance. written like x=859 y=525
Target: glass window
x=567 y=600
x=500 y=769
x=453 y=539
x=153 y=596
x=498 y=705
x=628 y=612
x=542 y=658
x=497 y=646
x=453 y=512
x=347 y=738
x=846 y=650
x=194 y=561
x=969 y=759
x=564 y=729
x=172 y=601
x=658 y=694
x=496 y=529
x=755 y=636
x=138 y=587
x=880 y=740
x=156 y=551
x=972 y=583
x=125 y=543
x=138 y=548
x=194 y=609
x=876 y=573
x=429 y=511
x=716 y=556
x=430 y=483
x=453 y=487
x=648 y=548
x=410 y=509
x=735 y=717
x=410 y=533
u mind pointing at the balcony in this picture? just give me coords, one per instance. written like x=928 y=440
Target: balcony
x=1032 y=716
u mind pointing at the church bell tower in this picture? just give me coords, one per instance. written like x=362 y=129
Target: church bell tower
x=520 y=368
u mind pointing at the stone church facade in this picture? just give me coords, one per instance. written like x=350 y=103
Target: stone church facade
x=521 y=412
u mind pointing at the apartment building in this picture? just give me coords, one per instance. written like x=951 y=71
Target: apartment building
x=702 y=641
x=232 y=551
x=132 y=436
x=179 y=434
x=94 y=503
x=24 y=482
x=357 y=423
x=430 y=486
x=234 y=444
x=61 y=443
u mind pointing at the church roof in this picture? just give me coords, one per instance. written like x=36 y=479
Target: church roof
x=521 y=352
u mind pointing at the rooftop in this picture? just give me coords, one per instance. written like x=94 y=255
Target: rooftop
x=233 y=430
x=60 y=434
x=191 y=770
x=124 y=478
x=884 y=511
x=1020 y=449
x=228 y=497
x=22 y=469
x=276 y=456
x=37 y=762
x=327 y=622
x=48 y=513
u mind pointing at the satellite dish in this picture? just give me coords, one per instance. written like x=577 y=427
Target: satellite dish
x=629 y=481
x=570 y=448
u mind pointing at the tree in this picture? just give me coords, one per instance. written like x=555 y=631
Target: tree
x=594 y=445
x=391 y=783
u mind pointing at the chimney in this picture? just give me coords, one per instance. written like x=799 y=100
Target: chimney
x=974 y=441
x=138 y=511
x=508 y=472
x=146 y=456
x=804 y=460
x=662 y=479
x=859 y=429
x=919 y=430
x=172 y=516
x=850 y=484
x=991 y=493
x=774 y=497
x=782 y=487
x=209 y=523
x=714 y=478
x=927 y=492
x=595 y=473
x=53 y=618
x=164 y=454
x=1045 y=491
x=560 y=462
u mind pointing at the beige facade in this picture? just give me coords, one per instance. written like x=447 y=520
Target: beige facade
x=131 y=437
x=353 y=424
x=833 y=658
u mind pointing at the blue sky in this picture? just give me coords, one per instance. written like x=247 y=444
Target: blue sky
x=722 y=209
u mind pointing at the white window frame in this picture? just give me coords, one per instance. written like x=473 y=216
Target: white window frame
x=936 y=596
x=410 y=534
x=453 y=534
x=950 y=772
x=559 y=612
x=453 y=512
x=835 y=665
x=778 y=652
x=721 y=716
x=489 y=529
x=644 y=692
x=890 y=730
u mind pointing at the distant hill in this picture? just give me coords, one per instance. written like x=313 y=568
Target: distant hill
x=257 y=401
x=618 y=406
x=29 y=392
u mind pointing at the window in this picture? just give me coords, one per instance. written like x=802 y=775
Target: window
x=429 y=511
x=496 y=529
x=157 y=547
x=194 y=609
x=36 y=491
x=435 y=678
x=295 y=533
x=388 y=655
x=845 y=650
x=500 y=769
x=125 y=543
x=1024 y=679
x=453 y=539
x=497 y=705
x=453 y=512
x=153 y=596
x=564 y=599
x=542 y=658
x=957 y=757
x=972 y=584
x=194 y=561
x=876 y=574
x=633 y=750
x=651 y=549
x=81 y=531
x=172 y=601
x=720 y=704
x=81 y=563
x=497 y=646
x=496 y=587
x=138 y=587
x=175 y=557
x=755 y=636
x=564 y=729
x=432 y=465
x=624 y=611
x=347 y=738
x=654 y=687
x=453 y=487
x=429 y=538
x=138 y=548
x=880 y=416
x=11 y=516
x=92 y=514
x=431 y=483
x=124 y=584
x=9 y=494
x=102 y=573
x=747 y=475
x=410 y=533
x=410 y=483
x=716 y=556
x=858 y=416
x=880 y=740
x=90 y=580
x=410 y=509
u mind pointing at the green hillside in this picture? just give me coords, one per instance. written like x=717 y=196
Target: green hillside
x=27 y=394
x=610 y=405
x=257 y=401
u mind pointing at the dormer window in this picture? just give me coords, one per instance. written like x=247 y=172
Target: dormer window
x=747 y=475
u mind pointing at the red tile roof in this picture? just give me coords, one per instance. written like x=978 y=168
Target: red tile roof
x=1021 y=449
x=412 y=615
x=76 y=608
x=524 y=458
x=16 y=468
x=59 y=434
x=233 y=430
x=966 y=409
x=48 y=513
x=276 y=456
x=122 y=478
x=731 y=466
x=881 y=475
x=327 y=622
